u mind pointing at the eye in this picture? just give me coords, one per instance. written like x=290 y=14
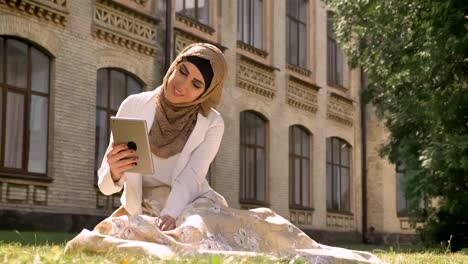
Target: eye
x=197 y=85
x=183 y=71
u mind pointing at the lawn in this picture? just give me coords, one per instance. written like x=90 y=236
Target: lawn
x=30 y=247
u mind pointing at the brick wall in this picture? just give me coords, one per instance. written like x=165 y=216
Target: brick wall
x=77 y=55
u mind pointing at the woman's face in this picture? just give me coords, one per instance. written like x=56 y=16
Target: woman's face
x=185 y=84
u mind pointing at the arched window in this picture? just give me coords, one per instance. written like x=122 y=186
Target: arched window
x=338 y=175
x=112 y=87
x=299 y=168
x=253 y=158
x=24 y=102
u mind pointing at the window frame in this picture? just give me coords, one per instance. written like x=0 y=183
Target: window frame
x=341 y=166
x=108 y=109
x=303 y=132
x=333 y=50
x=291 y=18
x=243 y=188
x=196 y=18
x=250 y=26
x=27 y=92
x=399 y=176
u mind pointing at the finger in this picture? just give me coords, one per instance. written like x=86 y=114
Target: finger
x=118 y=148
x=169 y=226
x=172 y=226
x=164 y=223
x=125 y=162
x=113 y=152
x=120 y=155
x=125 y=168
x=160 y=222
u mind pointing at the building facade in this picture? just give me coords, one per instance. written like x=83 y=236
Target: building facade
x=295 y=137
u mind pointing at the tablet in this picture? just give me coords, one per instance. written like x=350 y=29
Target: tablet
x=134 y=133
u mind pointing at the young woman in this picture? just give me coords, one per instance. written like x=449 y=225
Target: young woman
x=174 y=212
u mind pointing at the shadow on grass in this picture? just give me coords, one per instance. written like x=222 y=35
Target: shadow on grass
x=28 y=238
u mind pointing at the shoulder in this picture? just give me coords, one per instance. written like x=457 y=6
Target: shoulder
x=142 y=97
x=215 y=118
x=139 y=99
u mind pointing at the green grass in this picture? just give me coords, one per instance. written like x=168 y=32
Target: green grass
x=413 y=254
x=29 y=247
x=35 y=238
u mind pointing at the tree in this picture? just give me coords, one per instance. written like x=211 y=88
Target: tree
x=415 y=54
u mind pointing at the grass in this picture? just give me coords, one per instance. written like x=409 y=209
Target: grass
x=413 y=254
x=35 y=238
x=31 y=247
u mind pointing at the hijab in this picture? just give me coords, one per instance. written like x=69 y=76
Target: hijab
x=173 y=123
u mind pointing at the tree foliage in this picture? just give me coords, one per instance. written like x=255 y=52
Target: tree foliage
x=415 y=54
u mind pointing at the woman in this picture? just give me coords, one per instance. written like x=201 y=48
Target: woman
x=175 y=211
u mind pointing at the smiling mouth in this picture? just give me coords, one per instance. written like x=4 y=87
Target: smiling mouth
x=176 y=92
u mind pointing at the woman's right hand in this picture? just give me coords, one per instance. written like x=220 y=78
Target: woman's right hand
x=119 y=162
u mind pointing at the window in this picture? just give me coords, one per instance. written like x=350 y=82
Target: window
x=253 y=129
x=296 y=32
x=299 y=167
x=402 y=201
x=338 y=175
x=24 y=101
x=112 y=87
x=196 y=9
x=334 y=55
x=250 y=22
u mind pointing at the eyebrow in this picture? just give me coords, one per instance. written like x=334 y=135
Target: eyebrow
x=195 y=79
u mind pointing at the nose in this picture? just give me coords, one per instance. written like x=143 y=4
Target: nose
x=184 y=85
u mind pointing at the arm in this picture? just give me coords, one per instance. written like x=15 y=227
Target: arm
x=188 y=185
x=107 y=185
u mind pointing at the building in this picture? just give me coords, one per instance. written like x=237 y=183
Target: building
x=295 y=137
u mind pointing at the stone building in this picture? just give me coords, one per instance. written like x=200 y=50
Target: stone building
x=296 y=139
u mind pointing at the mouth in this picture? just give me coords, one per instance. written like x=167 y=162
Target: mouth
x=176 y=92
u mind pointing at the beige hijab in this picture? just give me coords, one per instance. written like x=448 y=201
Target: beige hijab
x=173 y=123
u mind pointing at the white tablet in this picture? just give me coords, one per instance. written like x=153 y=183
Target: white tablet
x=134 y=133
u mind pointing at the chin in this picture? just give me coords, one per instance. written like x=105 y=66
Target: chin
x=175 y=100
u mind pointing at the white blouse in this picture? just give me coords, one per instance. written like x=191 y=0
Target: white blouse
x=162 y=171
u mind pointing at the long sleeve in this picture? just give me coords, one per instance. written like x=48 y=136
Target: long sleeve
x=188 y=185
x=105 y=182
x=133 y=182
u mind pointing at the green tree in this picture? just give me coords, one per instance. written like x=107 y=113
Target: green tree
x=415 y=54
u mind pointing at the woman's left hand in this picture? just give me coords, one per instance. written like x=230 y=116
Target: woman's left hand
x=166 y=223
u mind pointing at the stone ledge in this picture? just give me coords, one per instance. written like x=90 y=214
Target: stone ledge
x=184 y=38
x=393 y=239
x=256 y=77
x=251 y=49
x=194 y=23
x=302 y=95
x=333 y=237
x=34 y=221
x=122 y=27
x=49 y=10
x=340 y=109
